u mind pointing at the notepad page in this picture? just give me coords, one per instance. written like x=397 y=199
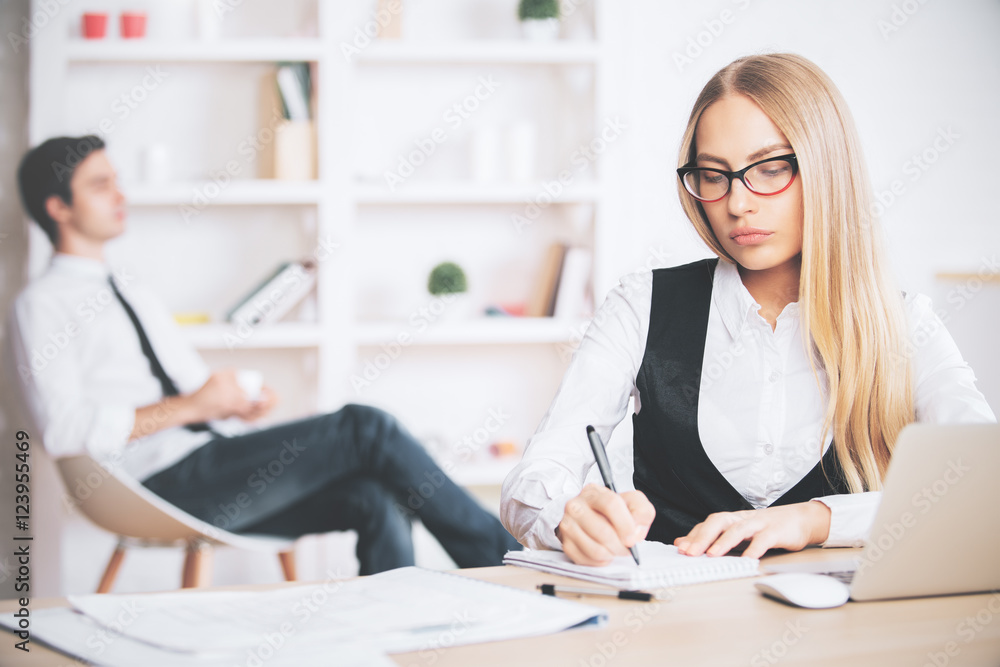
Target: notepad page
x=662 y=567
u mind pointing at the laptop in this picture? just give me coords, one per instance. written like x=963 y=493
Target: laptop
x=937 y=529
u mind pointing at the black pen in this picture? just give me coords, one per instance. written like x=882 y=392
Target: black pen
x=551 y=589
x=601 y=456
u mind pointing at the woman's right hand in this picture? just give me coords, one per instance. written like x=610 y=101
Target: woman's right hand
x=600 y=524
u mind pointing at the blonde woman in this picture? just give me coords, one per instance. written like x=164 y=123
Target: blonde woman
x=771 y=382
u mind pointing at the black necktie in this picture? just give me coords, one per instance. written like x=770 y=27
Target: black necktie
x=168 y=386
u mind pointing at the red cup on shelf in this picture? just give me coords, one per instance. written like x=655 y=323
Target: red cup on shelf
x=95 y=25
x=133 y=25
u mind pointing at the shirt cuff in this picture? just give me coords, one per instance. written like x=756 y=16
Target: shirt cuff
x=111 y=433
x=543 y=533
x=851 y=517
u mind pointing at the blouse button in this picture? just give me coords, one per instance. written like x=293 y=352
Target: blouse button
x=768 y=449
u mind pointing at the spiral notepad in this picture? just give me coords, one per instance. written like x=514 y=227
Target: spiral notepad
x=662 y=567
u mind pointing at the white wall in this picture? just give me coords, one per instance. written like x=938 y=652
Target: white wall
x=937 y=72
x=13 y=244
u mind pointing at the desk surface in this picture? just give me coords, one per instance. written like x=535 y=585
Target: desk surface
x=722 y=623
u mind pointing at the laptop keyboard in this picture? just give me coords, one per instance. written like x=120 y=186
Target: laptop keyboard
x=843 y=576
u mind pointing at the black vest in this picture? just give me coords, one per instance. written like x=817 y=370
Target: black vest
x=671 y=466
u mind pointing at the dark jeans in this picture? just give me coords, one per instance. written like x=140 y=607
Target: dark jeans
x=355 y=469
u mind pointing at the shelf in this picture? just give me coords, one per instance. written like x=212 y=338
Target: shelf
x=239 y=192
x=479 y=331
x=986 y=277
x=224 y=336
x=475 y=193
x=491 y=472
x=475 y=53
x=269 y=50
x=253 y=222
x=311 y=49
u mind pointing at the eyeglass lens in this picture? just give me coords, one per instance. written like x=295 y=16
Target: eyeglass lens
x=764 y=179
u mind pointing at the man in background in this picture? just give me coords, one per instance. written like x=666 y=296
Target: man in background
x=126 y=387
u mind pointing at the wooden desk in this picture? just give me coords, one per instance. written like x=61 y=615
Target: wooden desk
x=723 y=623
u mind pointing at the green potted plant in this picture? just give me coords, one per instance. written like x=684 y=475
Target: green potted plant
x=539 y=19
x=447 y=282
x=447 y=278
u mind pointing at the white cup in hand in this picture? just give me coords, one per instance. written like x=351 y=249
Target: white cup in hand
x=251 y=382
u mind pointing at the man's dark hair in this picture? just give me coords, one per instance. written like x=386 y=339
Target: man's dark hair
x=47 y=170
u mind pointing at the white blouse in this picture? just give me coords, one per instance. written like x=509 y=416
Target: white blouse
x=759 y=414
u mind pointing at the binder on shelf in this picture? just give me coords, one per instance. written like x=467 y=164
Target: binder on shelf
x=543 y=300
x=572 y=294
x=288 y=149
x=294 y=87
x=562 y=286
x=276 y=295
x=294 y=151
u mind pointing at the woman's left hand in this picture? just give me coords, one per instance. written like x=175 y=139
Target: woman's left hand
x=791 y=527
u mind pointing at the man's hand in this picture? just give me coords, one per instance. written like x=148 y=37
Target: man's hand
x=262 y=405
x=791 y=527
x=220 y=397
x=600 y=524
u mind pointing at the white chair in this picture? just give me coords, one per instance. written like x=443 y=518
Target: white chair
x=139 y=517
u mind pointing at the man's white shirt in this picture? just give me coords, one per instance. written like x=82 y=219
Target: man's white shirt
x=82 y=371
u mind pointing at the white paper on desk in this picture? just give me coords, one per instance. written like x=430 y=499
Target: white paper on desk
x=202 y=620
x=77 y=635
x=408 y=609
x=662 y=567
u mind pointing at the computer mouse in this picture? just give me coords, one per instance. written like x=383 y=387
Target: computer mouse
x=812 y=591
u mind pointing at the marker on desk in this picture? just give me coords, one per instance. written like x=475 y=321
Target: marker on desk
x=551 y=589
x=601 y=456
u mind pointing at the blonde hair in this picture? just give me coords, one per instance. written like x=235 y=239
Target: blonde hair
x=852 y=314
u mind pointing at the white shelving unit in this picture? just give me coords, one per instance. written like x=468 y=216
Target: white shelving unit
x=484 y=336
x=455 y=375
x=339 y=205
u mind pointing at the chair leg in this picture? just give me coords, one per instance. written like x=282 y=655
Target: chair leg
x=111 y=571
x=197 y=565
x=287 y=559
